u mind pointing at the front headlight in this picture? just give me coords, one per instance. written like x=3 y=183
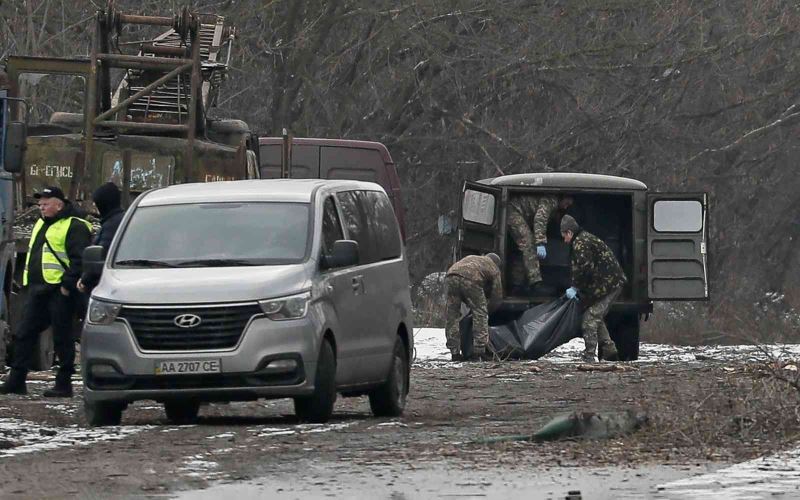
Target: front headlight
x=102 y=313
x=291 y=307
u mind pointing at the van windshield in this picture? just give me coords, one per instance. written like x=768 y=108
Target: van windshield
x=215 y=235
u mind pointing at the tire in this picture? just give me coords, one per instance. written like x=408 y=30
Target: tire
x=318 y=407
x=43 y=354
x=103 y=413
x=182 y=412
x=389 y=400
x=627 y=338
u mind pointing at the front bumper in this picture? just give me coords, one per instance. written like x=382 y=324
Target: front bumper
x=272 y=359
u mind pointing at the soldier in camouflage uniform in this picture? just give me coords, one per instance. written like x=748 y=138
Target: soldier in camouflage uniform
x=474 y=280
x=536 y=209
x=598 y=277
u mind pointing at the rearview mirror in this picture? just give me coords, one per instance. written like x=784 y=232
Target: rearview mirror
x=344 y=253
x=14 y=151
x=94 y=258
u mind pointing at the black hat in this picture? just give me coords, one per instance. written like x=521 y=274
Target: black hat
x=107 y=197
x=51 y=192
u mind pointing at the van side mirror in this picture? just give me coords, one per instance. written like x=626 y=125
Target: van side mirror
x=14 y=151
x=94 y=258
x=344 y=253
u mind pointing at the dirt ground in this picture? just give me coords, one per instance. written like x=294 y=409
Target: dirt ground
x=700 y=412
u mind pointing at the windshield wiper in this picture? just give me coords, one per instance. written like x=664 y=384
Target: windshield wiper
x=144 y=262
x=216 y=263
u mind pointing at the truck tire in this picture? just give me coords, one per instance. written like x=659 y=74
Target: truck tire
x=626 y=337
x=102 y=413
x=43 y=353
x=389 y=400
x=182 y=412
x=318 y=407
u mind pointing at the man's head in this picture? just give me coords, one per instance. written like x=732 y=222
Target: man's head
x=565 y=201
x=106 y=198
x=495 y=258
x=569 y=227
x=51 y=201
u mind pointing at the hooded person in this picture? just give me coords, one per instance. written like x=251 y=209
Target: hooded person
x=597 y=280
x=108 y=200
x=52 y=271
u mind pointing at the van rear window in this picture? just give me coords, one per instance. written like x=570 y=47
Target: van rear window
x=478 y=207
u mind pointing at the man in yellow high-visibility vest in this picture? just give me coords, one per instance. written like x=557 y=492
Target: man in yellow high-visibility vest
x=52 y=270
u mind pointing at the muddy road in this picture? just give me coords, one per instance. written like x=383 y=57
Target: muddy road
x=706 y=410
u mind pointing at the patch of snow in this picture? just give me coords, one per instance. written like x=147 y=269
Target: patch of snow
x=766 y=477
x=299 y=429
x=29 y=437
x=431 y=352
x=198 y=466
x=222 y=436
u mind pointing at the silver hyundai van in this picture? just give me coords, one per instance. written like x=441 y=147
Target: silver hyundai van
x=240 y=290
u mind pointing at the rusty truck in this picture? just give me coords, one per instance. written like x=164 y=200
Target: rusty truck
x=148 y=86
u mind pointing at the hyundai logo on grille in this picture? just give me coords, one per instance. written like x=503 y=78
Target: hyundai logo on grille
x=187 y=320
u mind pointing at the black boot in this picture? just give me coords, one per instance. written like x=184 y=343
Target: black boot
x=15 y=383
x=63 y=387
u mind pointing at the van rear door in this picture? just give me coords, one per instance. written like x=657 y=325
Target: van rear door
x=677 y=244
x=480 y=220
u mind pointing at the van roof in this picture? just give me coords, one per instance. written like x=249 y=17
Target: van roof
x=567 y=180
x=288 y=190
x=348 y=143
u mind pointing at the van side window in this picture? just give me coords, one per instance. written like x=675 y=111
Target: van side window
x=331 y=229
x=382 y=224
x=355 y=222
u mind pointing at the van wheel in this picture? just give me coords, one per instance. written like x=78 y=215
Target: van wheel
x=102 y=413
x=627 y=338
x=181 y=411
x=389 y=400
x=318 y=407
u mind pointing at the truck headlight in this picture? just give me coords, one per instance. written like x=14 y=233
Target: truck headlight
x=102 y=313
x=291 y=307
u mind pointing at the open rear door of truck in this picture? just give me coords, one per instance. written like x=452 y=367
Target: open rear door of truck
x=677 y=246
x=480 y=220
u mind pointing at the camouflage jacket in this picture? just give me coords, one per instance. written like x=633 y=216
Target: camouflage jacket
x=536 y=210
x=485 y=273
x=595 y=270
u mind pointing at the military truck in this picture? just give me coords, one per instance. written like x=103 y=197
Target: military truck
x=12 y=148
x=145 y=120
x=660 y=239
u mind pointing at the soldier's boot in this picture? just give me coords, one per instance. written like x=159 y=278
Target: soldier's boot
x=588 y=357
x=483 y=354
x=62 y=388
x=15 y=383
x=456 y=356
x=608 y=351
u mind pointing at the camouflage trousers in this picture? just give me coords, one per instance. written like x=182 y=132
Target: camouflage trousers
x=524 y=238
x=460 y=289
x=594 y=326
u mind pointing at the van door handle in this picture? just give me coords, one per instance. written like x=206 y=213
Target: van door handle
x=357 y=282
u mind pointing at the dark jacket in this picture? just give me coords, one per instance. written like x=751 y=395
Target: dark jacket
x=78 y=238
x=595 y=270
x=108 y=228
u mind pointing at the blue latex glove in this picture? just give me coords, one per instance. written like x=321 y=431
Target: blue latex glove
x=541 y=252
x=572 y=292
